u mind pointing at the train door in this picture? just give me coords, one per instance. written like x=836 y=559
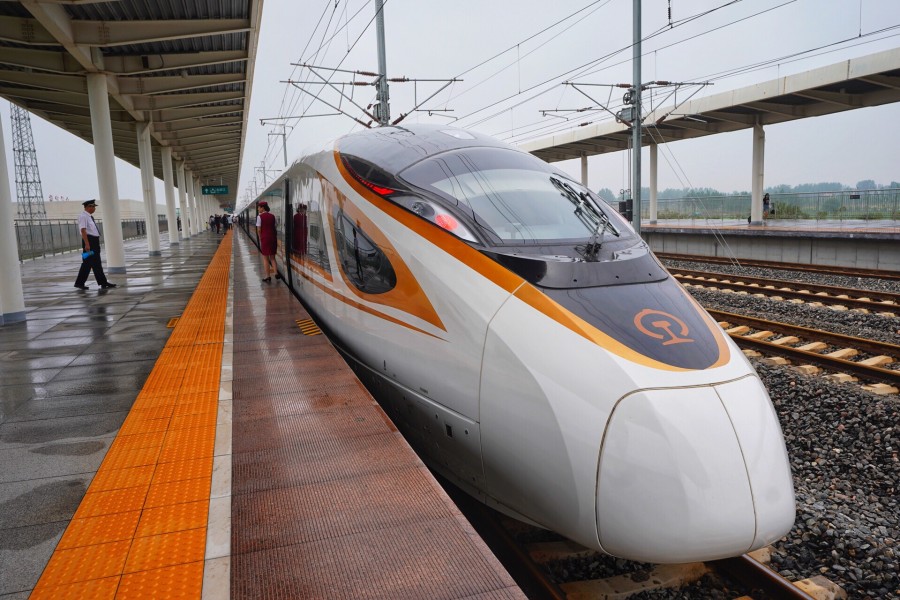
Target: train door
x=286 y=193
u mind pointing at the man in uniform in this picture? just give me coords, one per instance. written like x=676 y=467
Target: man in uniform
x=90 y=248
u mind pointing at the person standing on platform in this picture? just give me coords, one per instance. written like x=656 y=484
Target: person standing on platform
x=268 y=241
x=90 y=248
x=766 y=206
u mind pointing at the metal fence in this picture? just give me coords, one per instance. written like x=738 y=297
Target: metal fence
x=865 y=205
x=47 y=237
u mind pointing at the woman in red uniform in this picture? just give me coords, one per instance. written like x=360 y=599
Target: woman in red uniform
x=268 y=241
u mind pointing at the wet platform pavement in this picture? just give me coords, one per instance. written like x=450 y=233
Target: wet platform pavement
x=328 y=499
x=240 y=457
x=69 y=374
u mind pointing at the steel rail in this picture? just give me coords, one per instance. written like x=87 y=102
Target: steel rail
x=836 y=339
x=801 y=295
x=757 y=575
x=846 y=271
x=830 y=270
x=836 y=364
x=833 y=291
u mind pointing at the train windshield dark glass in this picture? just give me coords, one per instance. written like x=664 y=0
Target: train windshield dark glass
x=514 y=195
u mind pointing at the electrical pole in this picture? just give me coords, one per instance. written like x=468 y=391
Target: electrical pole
x=630 y=114
x=283 y=135
x=636 y=122
x=265 y=177
x=383 y=108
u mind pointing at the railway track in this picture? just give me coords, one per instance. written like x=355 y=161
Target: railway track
x=878 y=302
x=804 y=346
x=745 y=576
x=529 y=553
x=848 y=272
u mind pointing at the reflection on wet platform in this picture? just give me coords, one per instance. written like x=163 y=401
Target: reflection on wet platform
x=69 y=374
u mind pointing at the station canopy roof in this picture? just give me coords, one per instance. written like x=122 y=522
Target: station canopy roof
x=856 y=83
x=186 y=67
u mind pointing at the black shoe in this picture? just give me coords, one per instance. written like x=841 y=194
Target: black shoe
x=277 y=276
x=108 y=285
x=267 y=279
x=82 y=287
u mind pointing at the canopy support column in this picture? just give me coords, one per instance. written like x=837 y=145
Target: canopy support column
x=145 y=158
x=758 y=175
x=171 y=217
x=182 y=202
x=107 y=184
x=12 y=299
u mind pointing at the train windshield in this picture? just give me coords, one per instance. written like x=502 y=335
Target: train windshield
x=514 y=195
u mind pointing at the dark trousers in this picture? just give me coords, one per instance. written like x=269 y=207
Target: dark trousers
x=92 y=263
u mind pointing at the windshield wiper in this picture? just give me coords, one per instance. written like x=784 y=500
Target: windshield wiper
x=592 y=216
x=595 y=243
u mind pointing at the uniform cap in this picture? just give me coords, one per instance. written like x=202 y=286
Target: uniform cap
x=87 y=203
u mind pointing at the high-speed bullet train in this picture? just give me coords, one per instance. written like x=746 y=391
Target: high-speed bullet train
x=530 y=346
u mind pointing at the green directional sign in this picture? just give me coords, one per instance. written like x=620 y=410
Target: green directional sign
x=214 y=190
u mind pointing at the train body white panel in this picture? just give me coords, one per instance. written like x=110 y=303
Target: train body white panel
x=545 y=399
x=768 y=466
x=566 y=380
x=672 y=482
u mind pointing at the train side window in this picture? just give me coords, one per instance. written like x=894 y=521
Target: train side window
x=299 y=231
x=316 y=249
x=362 y=261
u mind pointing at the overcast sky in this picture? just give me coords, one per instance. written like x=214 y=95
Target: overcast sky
x=534 y=46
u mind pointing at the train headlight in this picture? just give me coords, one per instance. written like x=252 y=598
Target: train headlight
x=433 y=212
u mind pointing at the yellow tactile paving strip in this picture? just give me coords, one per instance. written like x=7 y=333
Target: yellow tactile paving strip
x=140 y=531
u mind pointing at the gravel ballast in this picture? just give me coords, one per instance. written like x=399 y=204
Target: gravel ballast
x=843 y=444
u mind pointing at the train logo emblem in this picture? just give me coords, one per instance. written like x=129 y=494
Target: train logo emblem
x=660 y=325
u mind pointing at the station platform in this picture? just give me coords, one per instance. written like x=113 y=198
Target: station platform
x=188 y=435
x=881 y=229
x=851 y=244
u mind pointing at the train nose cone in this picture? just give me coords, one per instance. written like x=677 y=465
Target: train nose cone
x=693 y=474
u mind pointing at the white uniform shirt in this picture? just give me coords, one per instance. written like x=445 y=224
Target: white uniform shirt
x=259 y=220
x=86 y=222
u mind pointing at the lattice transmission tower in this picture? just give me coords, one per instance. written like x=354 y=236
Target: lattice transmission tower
x=29 y=195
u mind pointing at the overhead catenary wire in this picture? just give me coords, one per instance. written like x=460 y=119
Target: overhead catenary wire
x=295 y=97
x=323 y=44
x=518 y=45
x=344 y=18
x=284 y=95
x=719 y=236
x=784 y=59
x=581 y=70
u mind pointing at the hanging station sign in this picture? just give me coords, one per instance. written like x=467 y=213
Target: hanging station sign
x=214 y=190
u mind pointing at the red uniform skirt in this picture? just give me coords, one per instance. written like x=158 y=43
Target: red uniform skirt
x=268 y=240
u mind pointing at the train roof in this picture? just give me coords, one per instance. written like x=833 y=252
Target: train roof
x=393 y=148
